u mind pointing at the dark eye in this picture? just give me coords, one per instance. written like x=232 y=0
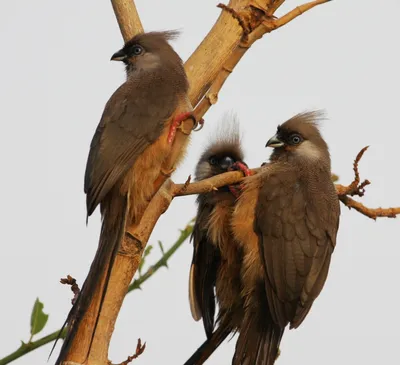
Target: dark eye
x=137 y=50
x=212 y=160
x=295 y=139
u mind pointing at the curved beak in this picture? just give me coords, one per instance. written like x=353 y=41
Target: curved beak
x=118 y=56
x=274 y=142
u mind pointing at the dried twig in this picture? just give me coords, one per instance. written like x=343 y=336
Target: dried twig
x=358 y=188
x=139 y=350
x=344 y=192
x=69 y=280
x=372 y=213
x=355 y=188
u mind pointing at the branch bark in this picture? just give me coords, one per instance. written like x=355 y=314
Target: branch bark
x=239 y=25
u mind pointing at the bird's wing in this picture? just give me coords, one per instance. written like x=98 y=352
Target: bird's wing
x=297 y=235
x=131 y=121
x=203 y=271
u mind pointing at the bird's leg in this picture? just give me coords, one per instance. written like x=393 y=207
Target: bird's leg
x=235 y=190
x=177 y=123
x=238 y=166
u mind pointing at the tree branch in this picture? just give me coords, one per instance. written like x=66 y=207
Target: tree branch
x=127 y=18
x=207 y=69
x=356 y=187
x=28 y=347
x=136 y=284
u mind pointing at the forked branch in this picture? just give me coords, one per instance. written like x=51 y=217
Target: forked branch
x=240 y=24
x=357 y=188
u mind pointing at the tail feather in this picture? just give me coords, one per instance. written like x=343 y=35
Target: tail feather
x=209 y=346
x=112 y=233
x=258 y=342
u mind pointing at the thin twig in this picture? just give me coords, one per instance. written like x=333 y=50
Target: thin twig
x=355 y=188
x=28 y=347
x=136 y=284
x=139 y=350
x=372 y=213
x=69 y=280
x=358 y=188
x=344 y=192
x=185 y=233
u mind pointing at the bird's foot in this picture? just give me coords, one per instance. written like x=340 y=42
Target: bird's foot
x=177 y=124
x=240 y=166
x=236 y=189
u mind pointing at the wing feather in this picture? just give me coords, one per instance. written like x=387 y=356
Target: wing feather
x=132 y=120
x=297 y=235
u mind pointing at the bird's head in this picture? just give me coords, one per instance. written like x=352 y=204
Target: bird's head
x=149 y=51
x=221 y=153
x=299 y=139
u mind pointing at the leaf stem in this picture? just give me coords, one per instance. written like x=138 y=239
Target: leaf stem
x=28 y=347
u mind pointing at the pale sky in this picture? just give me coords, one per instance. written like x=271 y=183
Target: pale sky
x=54 y=81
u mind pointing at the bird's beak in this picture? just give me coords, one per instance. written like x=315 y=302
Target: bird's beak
x=118 y=56
x=226 y=163
x=274 y=142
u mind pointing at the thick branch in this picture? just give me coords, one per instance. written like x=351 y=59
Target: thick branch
x=356 y=187
x=127 y=17
x=207 y=69
x=208 y=185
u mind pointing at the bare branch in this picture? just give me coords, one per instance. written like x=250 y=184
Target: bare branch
x=127 y=17
x=207 y=69
x=372 y=213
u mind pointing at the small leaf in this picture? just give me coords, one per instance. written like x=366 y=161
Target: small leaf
x=38 y=317
x=147 y=251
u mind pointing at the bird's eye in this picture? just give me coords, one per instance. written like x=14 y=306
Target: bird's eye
x=137 y=50
x=295 y=139
x=212 y=160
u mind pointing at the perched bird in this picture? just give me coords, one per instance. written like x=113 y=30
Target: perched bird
x=285 y=221
x=131 y=142
x=215 y=269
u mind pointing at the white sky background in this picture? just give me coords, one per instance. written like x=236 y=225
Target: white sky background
x=55 y=78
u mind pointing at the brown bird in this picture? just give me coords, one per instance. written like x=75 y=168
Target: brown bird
x=131 y=142
x=286 y=221
x=215 y=269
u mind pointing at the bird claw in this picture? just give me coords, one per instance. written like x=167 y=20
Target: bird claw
x=235 y=190
x=177 y=124
x=198 y=126
x=240 y=166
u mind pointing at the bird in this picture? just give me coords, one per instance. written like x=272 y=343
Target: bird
x=133 y=139
x=215 y=269
x=286 y=221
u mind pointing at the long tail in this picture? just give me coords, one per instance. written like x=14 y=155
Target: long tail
x=259 y=340
x=112 y=233
x=209 y=346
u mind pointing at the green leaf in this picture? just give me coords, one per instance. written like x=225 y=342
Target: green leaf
x=147 y=251
x=38 y=317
